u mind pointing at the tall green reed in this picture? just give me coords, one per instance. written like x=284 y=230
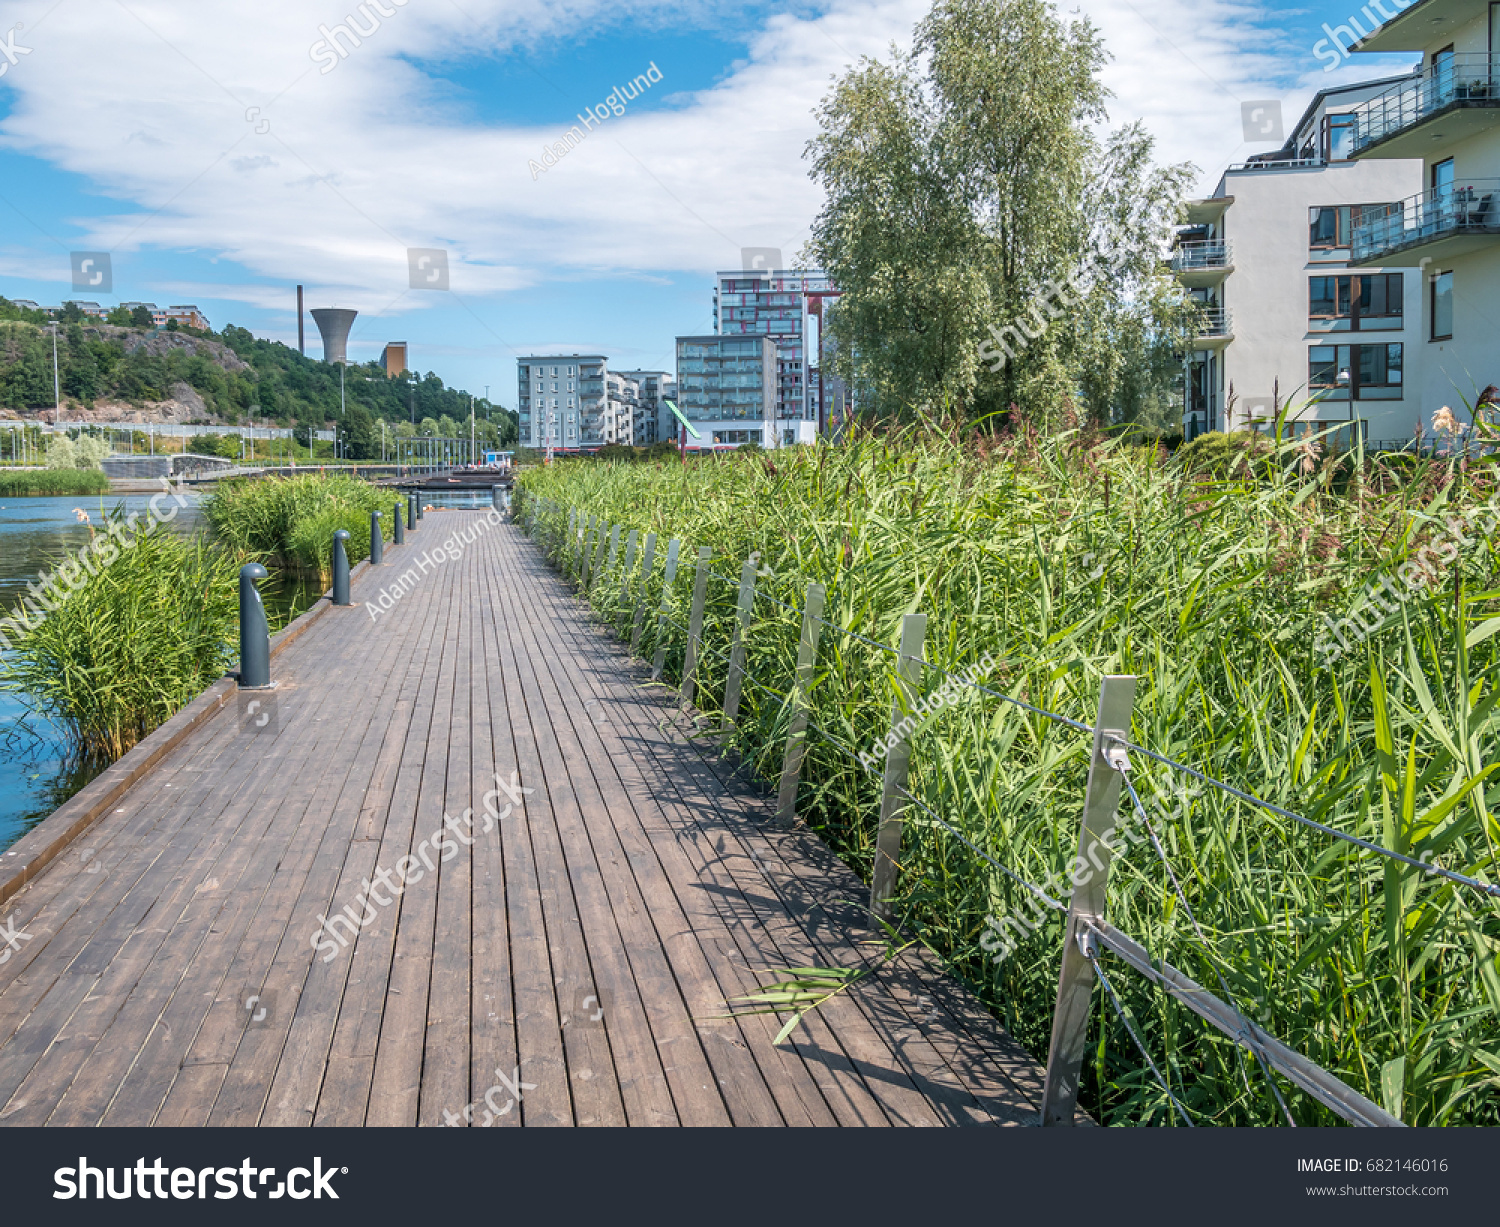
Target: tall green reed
x=1068 y=559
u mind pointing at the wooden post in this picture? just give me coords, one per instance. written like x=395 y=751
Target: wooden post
x=796 y=738
x=736 y=679
x=614 y=549
x=898 y=766
x=695 y=627
x=631 y=543
x=657 y=665
x=1075 y=985
x=594 y=568
x=647 y=559
x=595 y=529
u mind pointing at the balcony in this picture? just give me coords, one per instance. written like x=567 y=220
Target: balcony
x=1215 y=328
x=1437 y=224
x=1204 y=263
x=1449 y=100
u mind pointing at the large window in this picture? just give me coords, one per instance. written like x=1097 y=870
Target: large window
x=1332 y=226
x=1338 y=137
x=1442 y=307
x=1355 y=372
x=1372 y=303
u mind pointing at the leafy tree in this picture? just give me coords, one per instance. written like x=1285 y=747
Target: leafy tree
x=81 y=378
x=172 y=326
x=991 y=247
x=140 y=317
x=71 y=313
x=120 y=317
x=359 y=432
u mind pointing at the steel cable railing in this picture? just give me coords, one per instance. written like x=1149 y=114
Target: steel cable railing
x=1112 y=747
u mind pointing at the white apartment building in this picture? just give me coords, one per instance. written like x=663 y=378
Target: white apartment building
x=1287 y=317
x=653 y=420
x=621 y=408
x=563 y=401
x=1445 y=230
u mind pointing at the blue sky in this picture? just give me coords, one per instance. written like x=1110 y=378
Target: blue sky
x=220 y=157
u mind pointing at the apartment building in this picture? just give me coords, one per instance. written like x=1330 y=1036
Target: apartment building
x=563 y=401
x=621 y=408
x=653 y=420
x=393 y=359
x=787 y=306
x=727 y=390
x=1444 y=232
x=1287 y=317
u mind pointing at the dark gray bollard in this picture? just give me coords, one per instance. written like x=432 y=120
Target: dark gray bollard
x=411 y=510
x=400 y=526
x=420 y=515
x=340 y=568
x=495 y=498
x=255 y=635
x=377 y=542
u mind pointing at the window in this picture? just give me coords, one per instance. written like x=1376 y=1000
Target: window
x=1357 y=372
x=1370 y=303
x=1442 y=307
x=1332 y=226
x=1338 y=137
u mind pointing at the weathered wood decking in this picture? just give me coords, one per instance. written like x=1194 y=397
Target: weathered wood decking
x=589 y=939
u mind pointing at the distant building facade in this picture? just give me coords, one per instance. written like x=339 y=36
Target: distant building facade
x=653 y=420
x=786 y=306
x=726 y=388
x=562 y=400
x=393 y=359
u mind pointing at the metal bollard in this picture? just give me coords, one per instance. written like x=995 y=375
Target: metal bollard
x=418 y=497
x=377 y=542
x=411 y=510
x=255 y=634
x=400 y=526
x=340 y=568
x=495 y=501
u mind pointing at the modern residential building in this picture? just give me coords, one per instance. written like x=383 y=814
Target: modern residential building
x=621 y=408
x=91 y=309
x=785 y=305
x=185 y=316
x=1444 y=230
x=726 y=388
x=562 y=400
x=393 y=359
x=653 y=420
x=1286 y=317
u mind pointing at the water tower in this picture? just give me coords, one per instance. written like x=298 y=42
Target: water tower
x=334 y=323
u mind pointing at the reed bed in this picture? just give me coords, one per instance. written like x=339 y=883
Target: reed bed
x=53 y=482
x=128 y=647
x=291 y=521
x=1070 y=558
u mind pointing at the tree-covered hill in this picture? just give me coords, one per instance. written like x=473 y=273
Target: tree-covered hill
x=238 y=378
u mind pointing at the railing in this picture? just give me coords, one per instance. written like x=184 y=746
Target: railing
x=1202 y=256
x=1472 y=207
x=1215 y=323
x=1470 y=79
x=1280 y=164
x=642 y=601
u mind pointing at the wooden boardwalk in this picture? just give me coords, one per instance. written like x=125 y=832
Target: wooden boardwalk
x=588 y=940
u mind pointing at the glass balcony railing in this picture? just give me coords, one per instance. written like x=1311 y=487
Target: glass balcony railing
x=1471 y=79
x=1467 y=208
x=1215 y=323
x=1203 y=256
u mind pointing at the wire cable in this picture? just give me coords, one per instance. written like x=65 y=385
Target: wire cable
x=1486 y=888
x=1245 y=1033
x=1120 y=1010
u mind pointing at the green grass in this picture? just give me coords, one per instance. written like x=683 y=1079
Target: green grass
x=52 y=481
x=132 y=643
x=1069 y=559
x=291 y=521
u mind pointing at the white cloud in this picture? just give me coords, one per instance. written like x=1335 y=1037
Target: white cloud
x=215 y=127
